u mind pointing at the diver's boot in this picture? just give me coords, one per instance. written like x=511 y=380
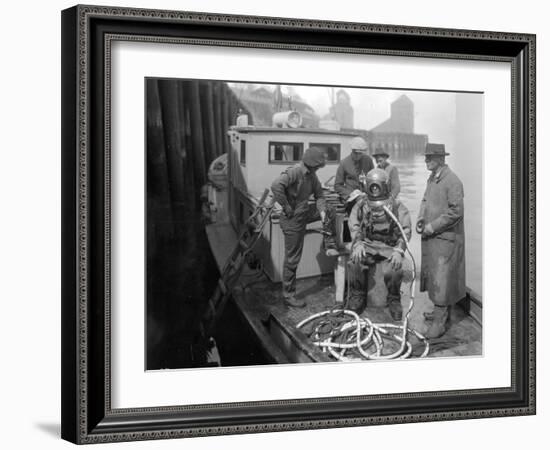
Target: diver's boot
x=292 y=301
x=396 y=310
x=329 y=244
x=332 y=250
x=357 y=301
x=438 y=321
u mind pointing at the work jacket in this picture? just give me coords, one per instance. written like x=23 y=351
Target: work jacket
x=292 y=190
x=443 y=262
x=347 y=175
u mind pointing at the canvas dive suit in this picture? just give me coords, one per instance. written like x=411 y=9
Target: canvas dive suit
x=377 y=233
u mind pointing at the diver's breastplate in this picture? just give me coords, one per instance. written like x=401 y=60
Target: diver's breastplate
x=377 y=225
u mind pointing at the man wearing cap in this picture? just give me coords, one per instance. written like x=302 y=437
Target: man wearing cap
x=441 y=225
x=292 y=190
x=381 y=158
x=351 y=170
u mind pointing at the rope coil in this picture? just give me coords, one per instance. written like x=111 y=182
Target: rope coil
x=348 y=337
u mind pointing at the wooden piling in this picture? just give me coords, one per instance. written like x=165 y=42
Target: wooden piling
x=160 y=220
x=225 y=121
x=188 y=154
x=156 y=156
x=208 y=122
x=218 y=126
x=197 y=139
x=168 y=94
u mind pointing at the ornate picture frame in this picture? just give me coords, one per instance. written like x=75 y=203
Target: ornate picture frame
x=88 y=415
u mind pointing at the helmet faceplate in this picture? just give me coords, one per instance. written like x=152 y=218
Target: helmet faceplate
x=377 y=186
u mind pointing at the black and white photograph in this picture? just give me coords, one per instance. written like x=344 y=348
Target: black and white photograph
x=295 y=221
x=291 y=223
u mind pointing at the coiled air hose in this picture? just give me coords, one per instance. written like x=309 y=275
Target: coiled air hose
x=348 y=337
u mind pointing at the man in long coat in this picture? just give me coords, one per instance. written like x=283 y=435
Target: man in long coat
x=441 y=224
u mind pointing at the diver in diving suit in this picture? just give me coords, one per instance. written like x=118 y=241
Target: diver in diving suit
x=378 y=247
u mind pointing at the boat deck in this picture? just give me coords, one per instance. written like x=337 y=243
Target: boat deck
x=260 y=302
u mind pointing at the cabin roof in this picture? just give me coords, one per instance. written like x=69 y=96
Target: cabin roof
x=273 y=130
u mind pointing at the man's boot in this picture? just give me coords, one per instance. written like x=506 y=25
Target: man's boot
x=329 y=243
x=396 y=310
x=438 y=321
x=292 y=301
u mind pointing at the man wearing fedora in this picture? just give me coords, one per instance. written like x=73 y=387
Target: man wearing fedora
x=441 y=225
x=381 y=158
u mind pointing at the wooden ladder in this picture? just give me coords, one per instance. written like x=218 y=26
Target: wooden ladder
x=235 y=263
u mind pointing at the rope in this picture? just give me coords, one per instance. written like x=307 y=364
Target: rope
x=348 y=337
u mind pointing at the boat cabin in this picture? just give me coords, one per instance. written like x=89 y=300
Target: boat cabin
x=258 y=156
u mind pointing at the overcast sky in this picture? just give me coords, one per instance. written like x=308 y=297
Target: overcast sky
x=434 y=111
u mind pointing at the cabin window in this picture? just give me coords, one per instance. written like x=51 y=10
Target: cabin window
x=285 y=152
x=332 y=151
x=243 y=153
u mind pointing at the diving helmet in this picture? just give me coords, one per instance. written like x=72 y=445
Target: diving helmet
x=376 y=187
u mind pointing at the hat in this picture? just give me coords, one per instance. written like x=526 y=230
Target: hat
x=358 y=144
x=380 y=152
x=314 y=157
x=435 y=150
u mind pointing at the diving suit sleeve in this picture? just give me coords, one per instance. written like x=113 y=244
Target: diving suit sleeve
x=405 y=220
x=354 y=223
x=394 y=182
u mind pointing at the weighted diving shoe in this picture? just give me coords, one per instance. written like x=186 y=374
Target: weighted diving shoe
x=396 y=310
x=438 y=322
x=357 y=301
x=292 y=301
x=331 y=248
